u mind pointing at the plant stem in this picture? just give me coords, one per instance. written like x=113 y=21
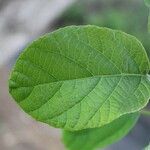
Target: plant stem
x=145 y=112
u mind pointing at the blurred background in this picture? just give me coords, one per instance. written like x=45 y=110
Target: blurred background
x=21 y=21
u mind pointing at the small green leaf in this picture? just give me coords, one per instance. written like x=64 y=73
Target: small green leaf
x=81 y=77
x=90 y=139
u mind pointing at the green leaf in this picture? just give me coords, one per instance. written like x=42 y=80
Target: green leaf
x=90 y=139
x=81 y=77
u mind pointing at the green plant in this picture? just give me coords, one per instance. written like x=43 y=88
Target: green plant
x=90 y=81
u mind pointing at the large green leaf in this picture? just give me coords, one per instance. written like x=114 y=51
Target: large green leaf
x=90 y=139
x=81 y=77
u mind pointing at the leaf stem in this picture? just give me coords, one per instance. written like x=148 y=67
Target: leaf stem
x=145 y=112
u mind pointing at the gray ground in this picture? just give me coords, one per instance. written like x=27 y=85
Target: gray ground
x=21 y=21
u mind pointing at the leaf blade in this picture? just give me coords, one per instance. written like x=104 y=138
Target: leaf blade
x=63 y=68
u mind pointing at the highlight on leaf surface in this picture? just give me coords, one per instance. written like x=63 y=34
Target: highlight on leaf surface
x=81 y=77
x=90 y=139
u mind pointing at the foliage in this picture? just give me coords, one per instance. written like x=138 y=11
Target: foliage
x=100 y=137
x=90 y=81
x=82 y=77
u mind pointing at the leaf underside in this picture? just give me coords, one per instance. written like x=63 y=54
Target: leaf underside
x=81 y=77
x=90 y=139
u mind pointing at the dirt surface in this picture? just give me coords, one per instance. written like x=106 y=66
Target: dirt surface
x=20 y=132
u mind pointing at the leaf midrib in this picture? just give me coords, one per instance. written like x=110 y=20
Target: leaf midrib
x=96 y=76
